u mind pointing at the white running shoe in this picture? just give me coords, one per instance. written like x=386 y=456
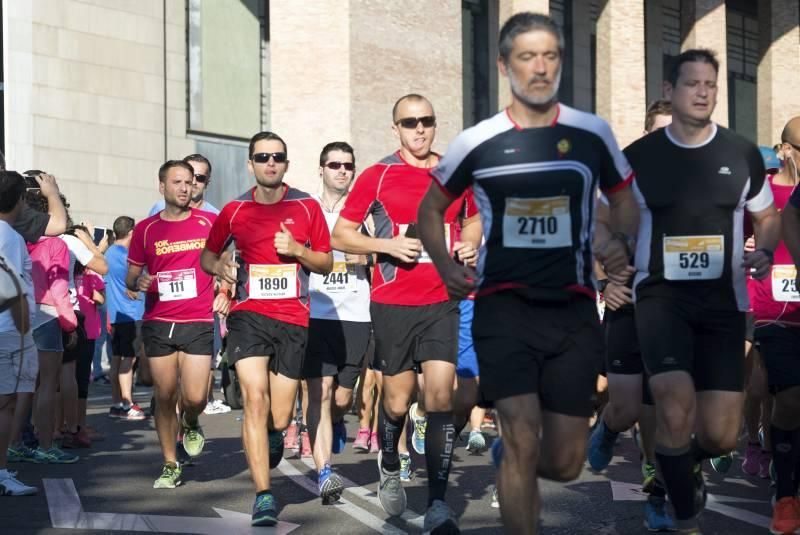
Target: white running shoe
x=11 y=486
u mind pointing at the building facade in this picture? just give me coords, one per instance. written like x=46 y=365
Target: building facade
x=101 y=92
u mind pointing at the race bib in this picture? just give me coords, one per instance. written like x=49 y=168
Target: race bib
x=273 y=281
x=176 y=285
x=693 y=257
x=424 y=257
x=542 y=223
x=341 y=279
x=784 y=287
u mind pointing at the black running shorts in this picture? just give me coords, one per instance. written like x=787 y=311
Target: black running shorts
x=126 y=339
x=336 y=348
x=623 y=355
x=254 y=335
x=780 y=349
x=163 y=338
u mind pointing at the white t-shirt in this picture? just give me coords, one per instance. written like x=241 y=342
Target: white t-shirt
x=15 y=253
x=77 y=252
x=344 y=293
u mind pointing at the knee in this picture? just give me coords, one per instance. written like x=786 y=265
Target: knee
x=621 y=416
x=563 y=465
x=396 y=405
x=438 y=399
x=674 y=416
x=280 y=420
x=255 y=401
x=343 y=399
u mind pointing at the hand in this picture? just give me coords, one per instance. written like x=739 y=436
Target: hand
x=72 y=340
x=225 y=268
x=466 y=253
x=404 y=249
x=85 y=238
x=133 y=296
x=48 y=185
x=103 y=245
x=358 y=259
x=143 y=282
x=612 y=255
x=750 y=245
x=222 y=305
x=89 y=228
x=285 y=244
x=757 y=263
x=616 y=296
x=622 y=277
x=459 y=280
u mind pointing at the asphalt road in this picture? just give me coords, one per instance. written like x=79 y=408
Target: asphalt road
x=110 y=491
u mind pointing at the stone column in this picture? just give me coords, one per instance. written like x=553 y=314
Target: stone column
x=703 y=25
x=507 y=8
x=620 y=60
x=779 y=68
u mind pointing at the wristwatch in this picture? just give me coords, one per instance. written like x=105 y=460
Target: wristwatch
x=601 y=285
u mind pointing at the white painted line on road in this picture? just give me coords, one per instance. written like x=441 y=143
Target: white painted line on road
x=66 y=512
x=410 y=516
x=346 y=506
x=743 y=515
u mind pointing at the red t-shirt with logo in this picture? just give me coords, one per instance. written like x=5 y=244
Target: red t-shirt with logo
x=270 y=284
x=391 y=191
x=181 y=292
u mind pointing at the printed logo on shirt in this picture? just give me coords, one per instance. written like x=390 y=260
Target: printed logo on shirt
x=167 y=247
x=288 y=221
x=511 y=151
x=724 y=170
x=563 y=147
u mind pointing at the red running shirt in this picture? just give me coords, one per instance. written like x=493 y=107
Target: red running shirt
x=181 y=291
x=270 y=284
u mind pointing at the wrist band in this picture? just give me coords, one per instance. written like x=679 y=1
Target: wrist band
x=770 y=255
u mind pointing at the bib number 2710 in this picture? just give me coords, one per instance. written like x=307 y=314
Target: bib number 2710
x=540 y=223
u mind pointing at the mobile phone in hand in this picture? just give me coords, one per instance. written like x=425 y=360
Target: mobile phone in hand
x=99 y=232
x=411 y=231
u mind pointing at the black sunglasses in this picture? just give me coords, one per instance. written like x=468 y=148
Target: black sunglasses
x=412 y=122
x=200 y=178
x=263 y=157
x=348 y=166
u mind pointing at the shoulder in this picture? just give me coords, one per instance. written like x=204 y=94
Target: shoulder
x=203 y=218
x=585 y=121
x=294 y=194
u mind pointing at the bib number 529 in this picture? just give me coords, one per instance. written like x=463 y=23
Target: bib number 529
x=694 y=260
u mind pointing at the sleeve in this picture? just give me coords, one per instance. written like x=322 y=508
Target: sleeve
x=759 y=197
x=58 y=282
x=453 y=173
x=318 y=231
x=615 y=171
x=79 y=249
x=31 y=224
x=364 y=192
x=157 y=207
x=220 y=231
x=97 y=282
x=136 y=251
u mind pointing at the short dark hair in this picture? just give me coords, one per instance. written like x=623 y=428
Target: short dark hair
x=336 y=145
x=12 y=188
x=658 y=107
x=700 y=55
x=523 y=23
x=410 y=96
x=169 y=164
x=123 y=225
x=199 y=158
x=262 y=136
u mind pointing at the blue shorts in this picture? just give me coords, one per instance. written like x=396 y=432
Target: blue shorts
x=467 y=365
x=47 y=336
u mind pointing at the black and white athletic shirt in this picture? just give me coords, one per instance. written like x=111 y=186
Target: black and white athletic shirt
x=692 y=201
x=535 y=189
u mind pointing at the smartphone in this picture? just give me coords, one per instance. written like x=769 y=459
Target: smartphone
x=99 y=232
x=33 y=191
x=411 y=231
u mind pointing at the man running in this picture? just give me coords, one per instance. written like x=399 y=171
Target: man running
x=339 y=331
x=696 y=180
x=281 y=237
x=414 y=322
x=535 y=168
x=178 y=325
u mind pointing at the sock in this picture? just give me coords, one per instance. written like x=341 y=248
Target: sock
x=262 y=493
x=676 y=465
x=439 y=452
x=699 y=453
x=389 y=433
x=658 y=489
x=784 y=455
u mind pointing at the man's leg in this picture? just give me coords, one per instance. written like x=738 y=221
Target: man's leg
x=319 y=425
x=253 y=380
x=165 y=391
x=125 y=375
x=193 y=374
x=397 y=390
x=113 y=372
x=440 y=434
x=619 y=414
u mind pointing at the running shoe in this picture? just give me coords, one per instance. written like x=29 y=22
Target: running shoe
x=374 y=444
x=56 y=456
x=391 y=493
x=488 y=421
x=495 y=504
x=601 y=446
x=339 y=437
x=497 y=452
x=648 y=477
x=420 y=424
x=723 y=463
x=361 y=443
x=290 y=440
x=700 y=492
x=785 y=516
x=305 y=448
x=20 y=454
x=116 y=412
x=656 y=517
x=170 y=476
x=134 y=413
x=440 y=519
x=405 y=467
x=764 y=460
x=216 y=407
x=193 y=438
x=78 y=439
x=476 y=442
x=94 y=434
x=275 y=452
x=11 y=486
x=330 y=486
x=265 y=510
x=750 y=464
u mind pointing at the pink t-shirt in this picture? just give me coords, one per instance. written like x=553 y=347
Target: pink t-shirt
x=181 y=291
x=50 y=274
x=86 y=284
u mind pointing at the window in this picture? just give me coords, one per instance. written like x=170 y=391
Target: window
x=742 y=37
x=479 y=52
x=561 y=12
x=670 y=32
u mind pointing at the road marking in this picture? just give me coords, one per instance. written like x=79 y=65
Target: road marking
x=66 y=512
x=344 y=505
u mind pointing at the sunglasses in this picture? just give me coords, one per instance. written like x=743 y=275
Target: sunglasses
x=412 y=122
x=201 y=178
x=348 y=166
x=263 y=157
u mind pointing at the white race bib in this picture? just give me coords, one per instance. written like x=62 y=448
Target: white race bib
x=541 y=223
x=783 y=284
x=341 y=279
x=424 y=257
x=273 y=281
x=176 y=285
x=693 y=257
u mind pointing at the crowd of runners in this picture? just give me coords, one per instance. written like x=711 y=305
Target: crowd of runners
x=437 y=288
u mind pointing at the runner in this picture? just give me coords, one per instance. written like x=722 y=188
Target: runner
x=696 y=179
x=535 y=168
x=414 y=323
x=178 y=325
x=339 y=331
x=776 y=307
x=281 y=237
